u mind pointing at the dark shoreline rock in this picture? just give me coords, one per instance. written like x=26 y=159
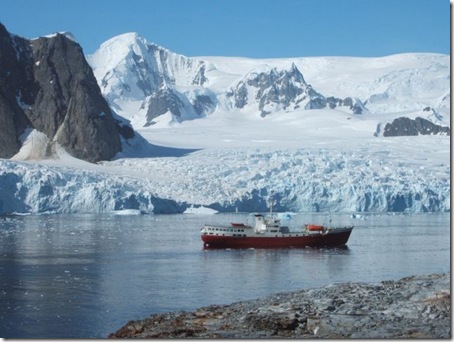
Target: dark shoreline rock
x=412 y=307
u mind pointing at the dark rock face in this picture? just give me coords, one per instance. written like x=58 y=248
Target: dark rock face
x=168 y=100
x=405 y=126
x=47 y=84
x=286 y=88
x=161 y=102
x=356 y=106
x=203 y=104
x=200 y=78
x=17 y=90
x=240 y=96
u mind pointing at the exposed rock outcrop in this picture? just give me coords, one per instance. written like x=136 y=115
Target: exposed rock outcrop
x=162 y=101
x=405 y=126
x=47 y=84
x=273 y=89
x=284 y=89
x=355 y=105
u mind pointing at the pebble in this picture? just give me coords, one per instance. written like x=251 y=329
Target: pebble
x=412 y=307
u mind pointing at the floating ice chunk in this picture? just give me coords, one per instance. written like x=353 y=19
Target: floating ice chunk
x=200 y=210
x=127 y=212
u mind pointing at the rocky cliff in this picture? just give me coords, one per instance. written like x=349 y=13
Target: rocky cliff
x=46 y=84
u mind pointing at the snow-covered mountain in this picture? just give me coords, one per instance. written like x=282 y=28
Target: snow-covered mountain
x=149 y=84
x=143 y=81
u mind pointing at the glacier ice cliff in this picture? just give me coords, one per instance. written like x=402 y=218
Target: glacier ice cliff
x=233 y=179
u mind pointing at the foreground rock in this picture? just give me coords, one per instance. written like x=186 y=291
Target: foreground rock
x=413 y=307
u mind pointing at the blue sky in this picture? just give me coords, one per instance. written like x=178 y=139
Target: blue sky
x=249 y=28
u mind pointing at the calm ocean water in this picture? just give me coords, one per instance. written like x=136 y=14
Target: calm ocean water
x=84 y=276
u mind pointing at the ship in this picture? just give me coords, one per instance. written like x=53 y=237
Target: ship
x=269 y=233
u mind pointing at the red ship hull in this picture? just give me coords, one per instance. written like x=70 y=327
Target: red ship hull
x=331 y=239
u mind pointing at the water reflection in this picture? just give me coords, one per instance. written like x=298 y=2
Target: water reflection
x=79 y=276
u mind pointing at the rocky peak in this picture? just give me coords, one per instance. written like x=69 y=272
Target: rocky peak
x=50 y=87
x=129 y=68
x=274 y=89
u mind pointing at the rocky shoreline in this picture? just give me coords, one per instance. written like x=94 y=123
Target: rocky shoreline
x=412 y=307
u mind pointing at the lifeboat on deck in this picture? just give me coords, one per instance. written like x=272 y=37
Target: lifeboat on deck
x=315 y=228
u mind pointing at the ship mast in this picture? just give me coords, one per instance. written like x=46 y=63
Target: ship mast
x=270 y=202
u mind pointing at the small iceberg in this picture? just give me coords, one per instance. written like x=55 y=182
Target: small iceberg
x=200 y=210
x=285 y=216
x=127 y=212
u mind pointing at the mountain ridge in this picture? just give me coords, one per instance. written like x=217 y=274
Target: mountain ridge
x=202 y=86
